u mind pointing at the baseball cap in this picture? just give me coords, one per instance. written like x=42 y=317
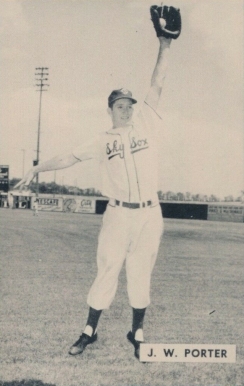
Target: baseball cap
x=119 y=94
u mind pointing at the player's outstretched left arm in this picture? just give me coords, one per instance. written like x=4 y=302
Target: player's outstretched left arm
x=167 y=23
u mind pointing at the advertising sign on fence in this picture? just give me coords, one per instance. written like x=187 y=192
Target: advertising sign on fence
x=48 y=204
x=80 y=205
x=233 y=213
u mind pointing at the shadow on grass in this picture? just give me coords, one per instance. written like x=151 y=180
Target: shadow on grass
x=26 y=382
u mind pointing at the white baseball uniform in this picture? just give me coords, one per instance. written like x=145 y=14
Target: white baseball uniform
x=133 y=223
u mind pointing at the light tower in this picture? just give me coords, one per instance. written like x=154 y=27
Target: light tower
x=42 y=78
x=23 y=163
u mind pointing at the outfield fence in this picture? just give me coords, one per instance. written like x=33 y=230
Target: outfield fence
x=218 y=211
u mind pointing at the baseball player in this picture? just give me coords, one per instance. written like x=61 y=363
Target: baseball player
x=35 y=207
x=132 y=224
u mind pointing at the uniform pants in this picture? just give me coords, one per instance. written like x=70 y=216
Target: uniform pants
x=131 y=235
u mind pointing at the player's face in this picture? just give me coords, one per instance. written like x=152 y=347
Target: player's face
x=121 y=112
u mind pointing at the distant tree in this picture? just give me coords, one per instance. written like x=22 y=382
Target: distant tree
x=98 y=193
x=213 y=198
x=242 y=195
x=229 y=198
x=180 y=196
x=43 y=187
x=199 y=197
x=53 y=187
x=188 y=196
x=170 y=195
x=92 y=191
x=195 y=197
x=238 y=199
x=160 y=195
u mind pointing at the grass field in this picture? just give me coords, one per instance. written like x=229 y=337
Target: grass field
x=47 y=266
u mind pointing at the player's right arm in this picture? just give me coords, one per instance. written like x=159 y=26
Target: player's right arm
x=86 y=151
x=59 y=162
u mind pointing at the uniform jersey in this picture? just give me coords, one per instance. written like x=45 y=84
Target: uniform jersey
x=128 y=159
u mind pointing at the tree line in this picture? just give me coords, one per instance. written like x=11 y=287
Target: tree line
x=53 y=188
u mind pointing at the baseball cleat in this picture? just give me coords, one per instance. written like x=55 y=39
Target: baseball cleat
x=79 y=346
x=136 y=344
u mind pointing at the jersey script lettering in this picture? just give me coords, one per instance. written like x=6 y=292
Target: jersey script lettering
x=118 y=149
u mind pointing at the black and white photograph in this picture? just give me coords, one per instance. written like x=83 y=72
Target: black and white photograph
x=122 y=193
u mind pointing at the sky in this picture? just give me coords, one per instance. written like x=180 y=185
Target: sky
x=92 y=47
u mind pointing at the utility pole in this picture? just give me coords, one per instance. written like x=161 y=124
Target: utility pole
x=42 y=78
x=62 y=184
x=23 y=163
x=54 y=182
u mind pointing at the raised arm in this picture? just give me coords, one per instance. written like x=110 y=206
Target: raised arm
x=159 y=73
x=167 y=23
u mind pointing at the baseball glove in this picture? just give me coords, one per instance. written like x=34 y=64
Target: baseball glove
x=166 y=21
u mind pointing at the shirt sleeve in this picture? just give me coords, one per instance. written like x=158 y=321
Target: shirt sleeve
x=149 y=119
x=88 y=150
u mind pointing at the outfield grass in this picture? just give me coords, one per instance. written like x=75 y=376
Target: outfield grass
x=47 y=266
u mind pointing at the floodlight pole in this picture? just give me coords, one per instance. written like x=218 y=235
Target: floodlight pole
x=23 y=163
x=42 y=72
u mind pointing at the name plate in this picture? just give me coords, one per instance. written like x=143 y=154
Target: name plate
x=212 y=353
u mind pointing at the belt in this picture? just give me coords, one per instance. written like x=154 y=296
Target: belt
x=133 y=205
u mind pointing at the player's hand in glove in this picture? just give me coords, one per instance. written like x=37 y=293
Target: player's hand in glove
x=166 y=21
x=26 y=180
